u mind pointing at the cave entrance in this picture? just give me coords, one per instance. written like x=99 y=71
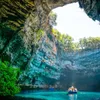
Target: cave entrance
x=73 y=21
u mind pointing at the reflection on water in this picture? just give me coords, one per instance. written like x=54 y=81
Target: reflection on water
x=72 y=97
x=60 y=95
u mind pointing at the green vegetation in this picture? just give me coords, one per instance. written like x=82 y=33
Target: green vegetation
x=8 y=79
x=39 y=34
x=66 y=42
x=90 y=43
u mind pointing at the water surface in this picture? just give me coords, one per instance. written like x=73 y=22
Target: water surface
x=51 y=95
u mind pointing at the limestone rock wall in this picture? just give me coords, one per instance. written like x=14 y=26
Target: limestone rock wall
x=19 y=24
x=81 y=69
x=91 y=7
x=43 y=67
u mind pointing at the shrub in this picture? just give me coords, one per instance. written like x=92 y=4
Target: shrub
x=8 y=79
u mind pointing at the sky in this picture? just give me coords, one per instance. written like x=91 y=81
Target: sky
x=73 y=21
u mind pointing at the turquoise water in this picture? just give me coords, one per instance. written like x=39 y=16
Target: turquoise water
x=62 y=95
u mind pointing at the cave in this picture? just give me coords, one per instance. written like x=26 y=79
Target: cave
x=26 y=43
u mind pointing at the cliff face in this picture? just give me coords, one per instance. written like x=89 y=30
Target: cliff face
x=22 y=42
x=20 y=22
x=43 y=67
x=82 y=70
x=91 y=7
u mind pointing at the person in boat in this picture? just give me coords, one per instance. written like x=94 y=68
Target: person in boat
x=72 y=90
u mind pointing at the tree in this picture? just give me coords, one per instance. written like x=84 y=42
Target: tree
x=89 y=43
x=64 y=40
x=8 y=79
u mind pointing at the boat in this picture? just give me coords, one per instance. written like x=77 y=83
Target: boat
x=72 y=90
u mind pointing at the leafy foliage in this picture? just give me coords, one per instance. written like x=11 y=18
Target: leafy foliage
x=39 y=34
x=90 y=43
x=8 y=79
x=64 y=40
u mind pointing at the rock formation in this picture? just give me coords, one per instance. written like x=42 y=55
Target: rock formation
x=81 y=69
x=91 y=7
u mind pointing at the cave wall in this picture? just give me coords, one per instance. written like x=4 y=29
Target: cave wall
x=20 y=22
x=43 y=66
x=81 y=69
x=91 y=7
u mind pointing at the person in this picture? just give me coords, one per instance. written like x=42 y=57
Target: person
x=72 y=89
x=75 y=89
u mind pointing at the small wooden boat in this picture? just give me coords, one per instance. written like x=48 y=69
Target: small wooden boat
x=72 y=90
